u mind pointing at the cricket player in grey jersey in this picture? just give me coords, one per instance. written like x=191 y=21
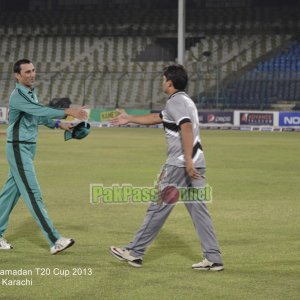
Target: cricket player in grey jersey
x=185 y=167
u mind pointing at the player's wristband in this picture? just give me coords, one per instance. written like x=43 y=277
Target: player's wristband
x=57 y=123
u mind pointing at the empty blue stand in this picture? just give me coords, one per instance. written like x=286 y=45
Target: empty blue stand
x=275 y=79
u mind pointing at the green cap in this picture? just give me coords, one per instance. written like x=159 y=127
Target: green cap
x=79 y=131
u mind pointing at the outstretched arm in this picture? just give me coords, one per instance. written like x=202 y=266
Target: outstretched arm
x=123 y=118
x=26 y=104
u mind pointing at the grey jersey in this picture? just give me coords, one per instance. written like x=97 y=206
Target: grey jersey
x=180 y=109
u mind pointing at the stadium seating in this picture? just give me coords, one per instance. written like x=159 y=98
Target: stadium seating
x=272 y=80
x=91 y=57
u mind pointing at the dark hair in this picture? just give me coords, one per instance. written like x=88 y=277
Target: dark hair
x=17 y=65
x=178 y=75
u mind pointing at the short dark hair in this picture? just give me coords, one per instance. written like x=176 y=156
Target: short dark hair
x=17 y=65
x=178 y=75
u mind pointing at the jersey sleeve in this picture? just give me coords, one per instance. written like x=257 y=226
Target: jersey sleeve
x=25 y=104
x=177 y=109
x=47 y=122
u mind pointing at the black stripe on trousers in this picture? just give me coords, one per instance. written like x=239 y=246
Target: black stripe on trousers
x=18 y=158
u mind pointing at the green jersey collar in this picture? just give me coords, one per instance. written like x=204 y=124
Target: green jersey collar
x=28 y=92
x=24 y=89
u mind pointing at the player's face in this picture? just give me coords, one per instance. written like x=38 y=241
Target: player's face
x=26 y=76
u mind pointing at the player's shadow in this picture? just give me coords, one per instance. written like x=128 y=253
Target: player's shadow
x=73 y=228
x=28 y=230
x=170 y=243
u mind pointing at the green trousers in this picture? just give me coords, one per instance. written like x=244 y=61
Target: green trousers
x=22 y=181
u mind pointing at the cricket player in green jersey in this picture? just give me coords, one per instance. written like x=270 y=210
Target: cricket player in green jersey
x=25 y=114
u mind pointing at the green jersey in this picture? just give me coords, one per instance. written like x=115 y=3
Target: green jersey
x=26 y=113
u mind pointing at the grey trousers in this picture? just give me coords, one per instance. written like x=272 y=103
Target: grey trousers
x=157 y=215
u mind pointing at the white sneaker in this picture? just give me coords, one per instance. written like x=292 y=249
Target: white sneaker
x=124 y=255
x=4 y=245
x=61 y=244
x=208 y=265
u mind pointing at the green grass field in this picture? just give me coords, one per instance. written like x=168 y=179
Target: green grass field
x=256 y=211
